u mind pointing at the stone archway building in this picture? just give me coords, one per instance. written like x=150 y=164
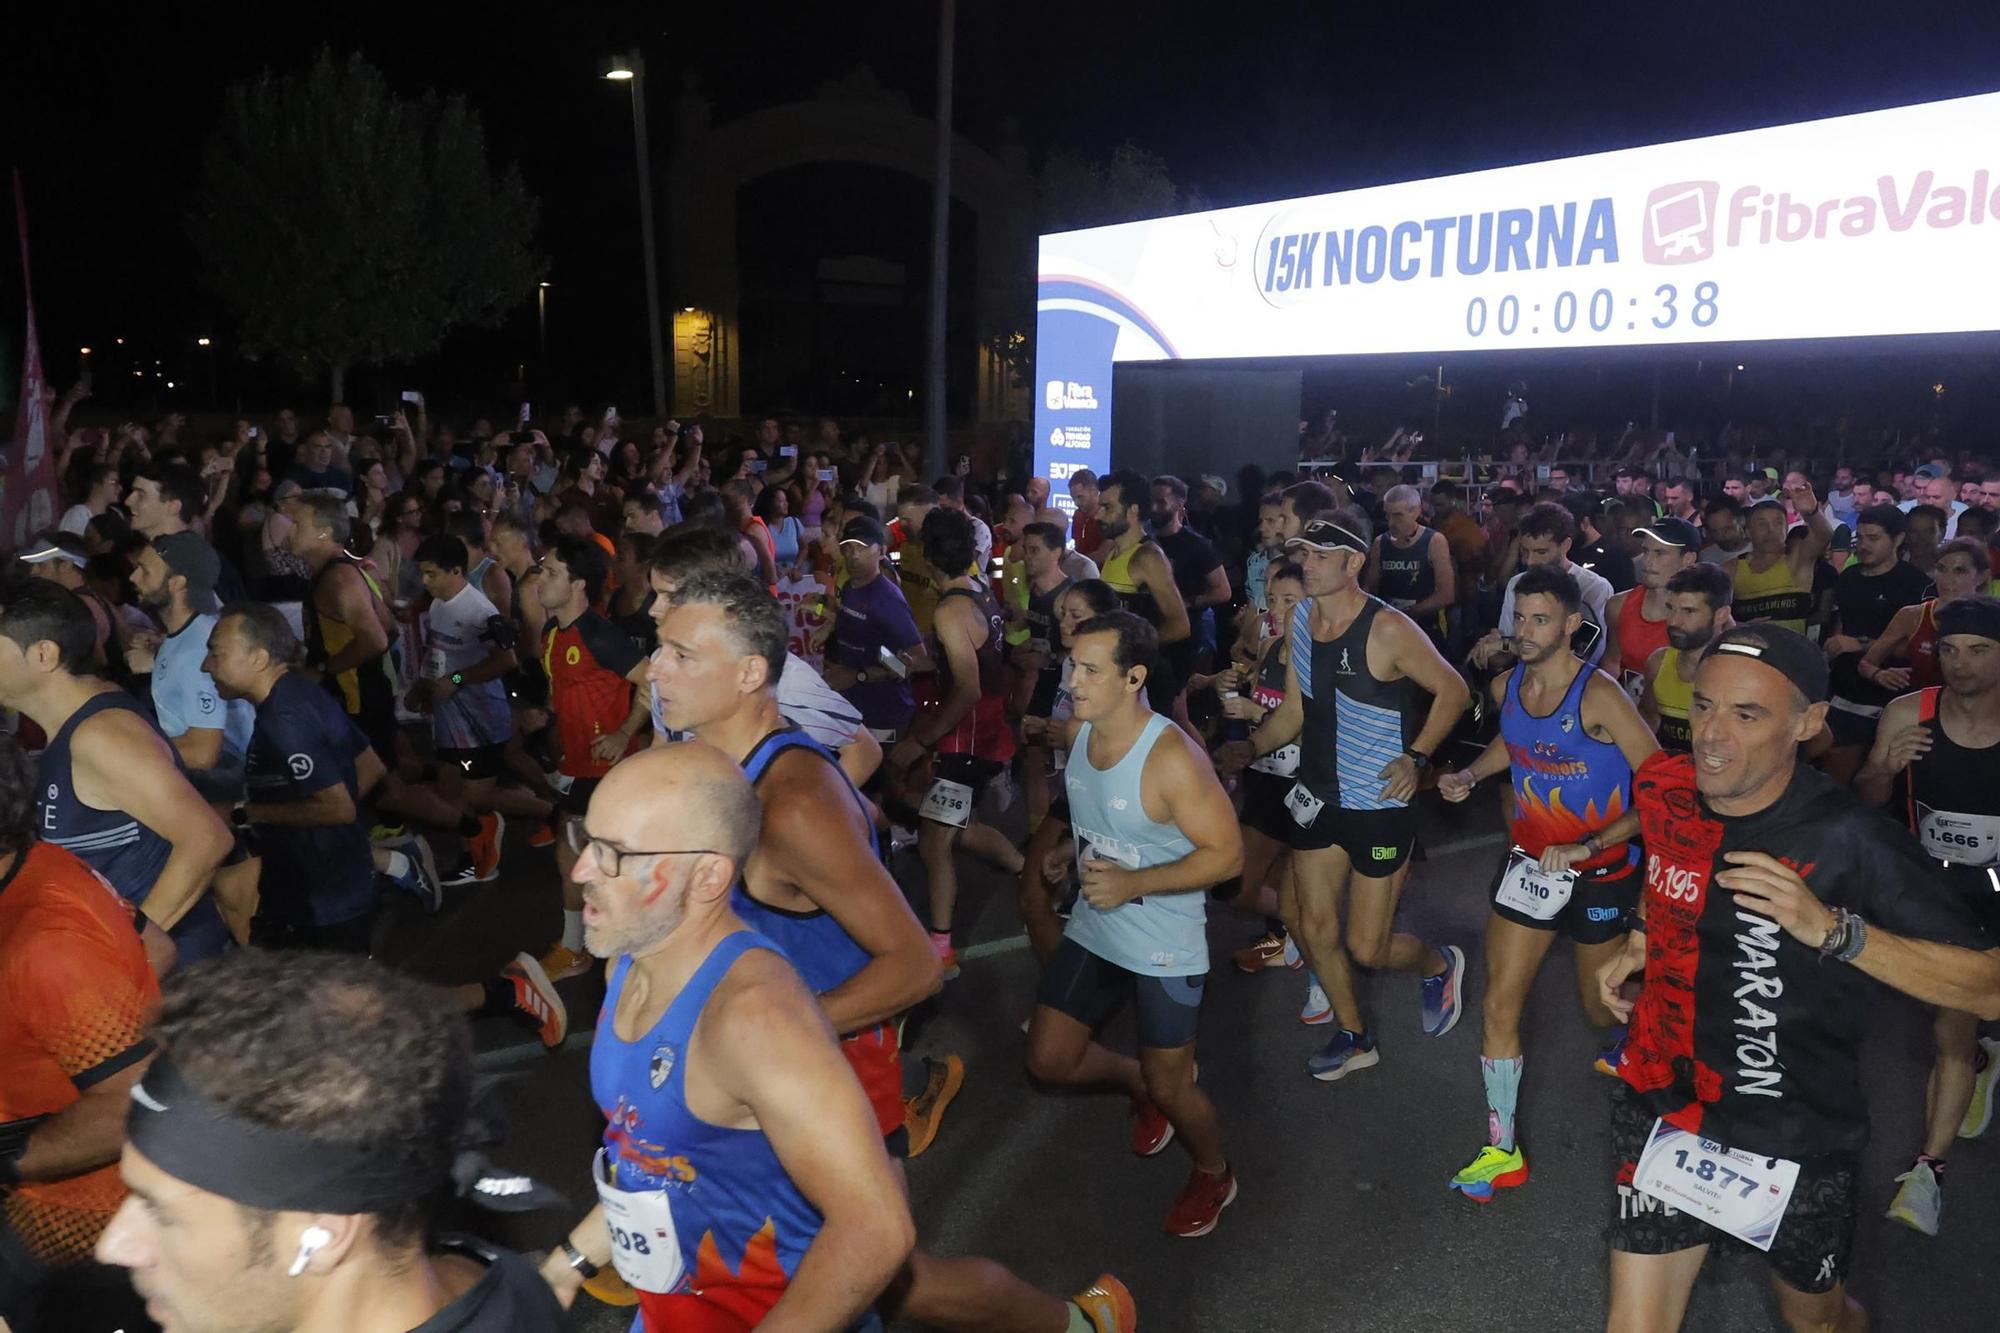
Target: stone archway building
x=850 y=121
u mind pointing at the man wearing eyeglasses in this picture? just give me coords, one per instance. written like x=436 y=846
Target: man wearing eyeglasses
x=816 y=887
x=741 y=1179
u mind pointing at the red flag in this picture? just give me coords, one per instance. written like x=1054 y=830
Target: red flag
x=28 y=486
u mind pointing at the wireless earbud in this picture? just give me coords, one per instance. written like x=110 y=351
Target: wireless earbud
x=311 y=1241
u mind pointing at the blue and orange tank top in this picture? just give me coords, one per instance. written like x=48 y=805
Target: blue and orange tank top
x=742 y=1224
x=1567 y=783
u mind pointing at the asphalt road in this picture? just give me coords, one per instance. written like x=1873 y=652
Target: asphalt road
x=1344 y=1220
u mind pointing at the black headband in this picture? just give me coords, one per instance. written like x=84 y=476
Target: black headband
x=194 y=1139
x=1978 y=616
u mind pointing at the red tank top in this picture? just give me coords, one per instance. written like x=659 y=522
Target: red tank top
x=1638 y=637
x=1921 y=650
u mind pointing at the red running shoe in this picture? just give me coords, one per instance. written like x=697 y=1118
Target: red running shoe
x=1151 y=1130
x=1201 y=1203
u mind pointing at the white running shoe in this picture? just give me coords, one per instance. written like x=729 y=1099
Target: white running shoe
x=1919 y=1202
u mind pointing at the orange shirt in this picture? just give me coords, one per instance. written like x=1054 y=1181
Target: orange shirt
x=75 y=996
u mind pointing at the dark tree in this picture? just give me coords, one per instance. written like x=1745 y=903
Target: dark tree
x=342 y=225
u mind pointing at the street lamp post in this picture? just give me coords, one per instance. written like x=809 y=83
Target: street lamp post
x=631 y=68
x=542 y=337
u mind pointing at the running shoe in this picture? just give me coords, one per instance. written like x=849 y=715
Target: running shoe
x=484 y=846
x=1151 y=1130
x=544 y=835
x=563 y=962
x=1293 y=958
x=560 y=783
x=1441 y=993
x=923 y=1113
x=535 y=999
x=1107 y=1305
x=1920 y=1200
x=1266 y=952
x=1202 y=1200
x=1347 y=1052
x=1979 y=1111
x=1318 y=1009
x=1493 y=1169
x=388 y=833
x=421 y=879
x=1609 y=1058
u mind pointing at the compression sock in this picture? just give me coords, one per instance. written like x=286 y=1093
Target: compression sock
x=1503 y=1089
x=573 y=930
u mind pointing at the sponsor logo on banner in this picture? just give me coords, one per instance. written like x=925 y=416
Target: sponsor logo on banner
x=1680 y=223
x=1068 y=394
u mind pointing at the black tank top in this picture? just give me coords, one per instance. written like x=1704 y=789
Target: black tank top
x=1406 y=573
x=1954 y=799
x=991 y=677
x=1354 y=723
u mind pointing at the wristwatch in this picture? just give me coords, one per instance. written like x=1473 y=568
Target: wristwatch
x=1419 y=758
x=576 y=1259
x=861 y=676
x=457 y=678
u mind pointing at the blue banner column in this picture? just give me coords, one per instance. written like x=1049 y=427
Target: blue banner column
x=1072 y=396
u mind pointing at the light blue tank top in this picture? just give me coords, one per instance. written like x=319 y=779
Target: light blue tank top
x=1161 y=935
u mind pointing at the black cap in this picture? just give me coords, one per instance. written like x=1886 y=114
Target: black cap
x=1323 y=534
x=864 y=529
x=1671 y=532
x=1789 y=653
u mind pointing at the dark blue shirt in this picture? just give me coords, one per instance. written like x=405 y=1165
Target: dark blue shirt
x=304 y=743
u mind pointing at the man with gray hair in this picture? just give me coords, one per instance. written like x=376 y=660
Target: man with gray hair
x=1409 y=564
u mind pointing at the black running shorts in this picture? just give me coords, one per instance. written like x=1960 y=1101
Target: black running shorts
x=1814 y=1243
x=1090 y=989
x=1378 y=842
x=1264 y=805
x=1597 y=909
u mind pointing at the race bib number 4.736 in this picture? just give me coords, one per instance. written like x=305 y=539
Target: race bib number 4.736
x=948 y=802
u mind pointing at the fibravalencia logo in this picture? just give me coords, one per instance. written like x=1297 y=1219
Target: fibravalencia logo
x=1061 y=394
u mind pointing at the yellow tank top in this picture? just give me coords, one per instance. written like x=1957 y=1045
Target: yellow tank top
x=1773 y=595
x=335 y=635
x=1674 y=697
x=1014 y=593
x=1117 y=571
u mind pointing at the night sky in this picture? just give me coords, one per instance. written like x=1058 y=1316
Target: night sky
x=1244 y=102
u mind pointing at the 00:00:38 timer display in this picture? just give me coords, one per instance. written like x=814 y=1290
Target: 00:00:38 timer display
x=1599 y=309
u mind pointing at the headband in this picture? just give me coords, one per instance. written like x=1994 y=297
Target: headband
x=197 y=1140
x=1979 y=616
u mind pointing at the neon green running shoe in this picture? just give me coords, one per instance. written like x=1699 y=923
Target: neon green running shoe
x=1493 y=1169
x=1979 y=1111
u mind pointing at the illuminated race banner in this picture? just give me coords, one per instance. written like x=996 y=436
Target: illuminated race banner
x=1882 y=223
